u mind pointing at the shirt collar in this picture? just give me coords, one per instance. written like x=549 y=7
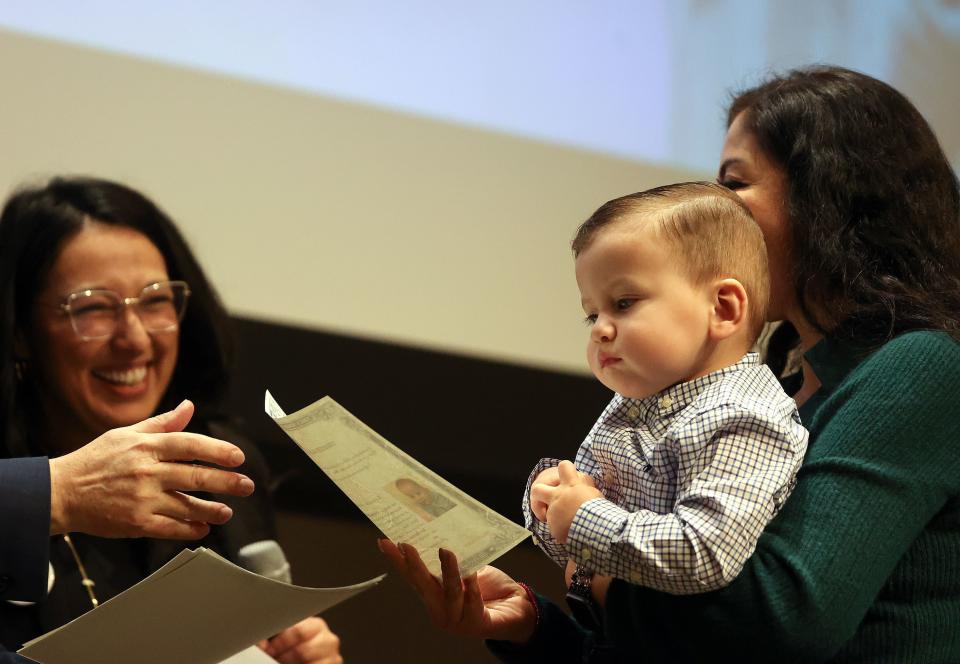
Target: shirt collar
x=677 y=397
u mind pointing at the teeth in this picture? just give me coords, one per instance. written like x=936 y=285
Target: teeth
x=128 y=377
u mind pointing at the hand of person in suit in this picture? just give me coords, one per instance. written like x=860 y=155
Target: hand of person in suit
x=130 y=482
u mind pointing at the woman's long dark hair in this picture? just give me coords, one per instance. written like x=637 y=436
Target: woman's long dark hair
x=873 y=203
x=35 y=223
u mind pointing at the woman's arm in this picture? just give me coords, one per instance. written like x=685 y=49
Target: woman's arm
x=882 y=462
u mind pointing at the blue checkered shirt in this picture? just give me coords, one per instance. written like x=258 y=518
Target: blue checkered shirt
x=690 y=478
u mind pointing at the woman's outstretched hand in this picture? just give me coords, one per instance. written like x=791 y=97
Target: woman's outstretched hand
x=487 y=604
x=310 y=641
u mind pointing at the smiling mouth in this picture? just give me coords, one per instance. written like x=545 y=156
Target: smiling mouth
x=125 y=377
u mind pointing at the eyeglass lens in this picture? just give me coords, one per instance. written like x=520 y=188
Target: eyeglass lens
x=160 y=307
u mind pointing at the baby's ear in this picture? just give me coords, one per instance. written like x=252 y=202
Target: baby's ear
x=730 y=307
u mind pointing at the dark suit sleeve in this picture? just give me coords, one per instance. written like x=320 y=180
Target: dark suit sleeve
x=24 y=528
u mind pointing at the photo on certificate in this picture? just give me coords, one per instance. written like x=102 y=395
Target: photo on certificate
x=426 y=503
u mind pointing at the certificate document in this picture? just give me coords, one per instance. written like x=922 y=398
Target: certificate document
x=406 y=500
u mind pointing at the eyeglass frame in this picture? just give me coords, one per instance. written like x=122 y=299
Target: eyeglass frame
x=125 y=302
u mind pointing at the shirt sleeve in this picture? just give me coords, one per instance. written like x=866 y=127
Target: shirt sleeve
x=24 y=528
x=539 y=530
x=728 y=488
x=882 y=464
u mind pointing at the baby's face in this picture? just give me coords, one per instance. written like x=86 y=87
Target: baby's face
x=415 y=492
x=648 y=322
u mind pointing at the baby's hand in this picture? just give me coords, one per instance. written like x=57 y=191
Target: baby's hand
x=538 y=503
x=572 y=491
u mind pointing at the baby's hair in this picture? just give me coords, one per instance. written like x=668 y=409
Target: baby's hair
x=710 y=230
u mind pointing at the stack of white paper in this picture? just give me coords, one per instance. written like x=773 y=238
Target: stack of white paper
x=198 y=608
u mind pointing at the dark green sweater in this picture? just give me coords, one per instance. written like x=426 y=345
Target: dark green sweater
x=863 y=562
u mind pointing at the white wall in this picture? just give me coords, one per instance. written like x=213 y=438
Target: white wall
x=403 y=214
x=323 y=213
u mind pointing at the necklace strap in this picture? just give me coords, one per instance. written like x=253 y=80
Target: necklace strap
x=86 y=580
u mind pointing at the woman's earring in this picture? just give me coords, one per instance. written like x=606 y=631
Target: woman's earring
x=20 y=369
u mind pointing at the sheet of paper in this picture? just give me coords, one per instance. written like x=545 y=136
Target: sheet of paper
x=198 y=608
x=406 y=500
x=252 y=655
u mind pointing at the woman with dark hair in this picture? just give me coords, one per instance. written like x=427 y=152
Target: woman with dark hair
x=861 y=215
x=95 y=282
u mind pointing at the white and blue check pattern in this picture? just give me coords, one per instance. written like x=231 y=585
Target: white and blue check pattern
x=690 y=478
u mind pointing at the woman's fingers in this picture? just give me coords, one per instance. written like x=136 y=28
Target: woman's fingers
x=407 y=568
x=473 y=605
x=426 y=585
x=445 y=598
x=393 y=556
x=452 y=587
x=417 y=571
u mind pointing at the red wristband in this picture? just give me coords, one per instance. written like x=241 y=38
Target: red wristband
x=533 y=600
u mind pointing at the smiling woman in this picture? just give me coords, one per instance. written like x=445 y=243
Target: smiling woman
x=118 y=375
x=60 y=242
x=94 y=284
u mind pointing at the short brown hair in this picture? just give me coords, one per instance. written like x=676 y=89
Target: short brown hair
x=710 y=230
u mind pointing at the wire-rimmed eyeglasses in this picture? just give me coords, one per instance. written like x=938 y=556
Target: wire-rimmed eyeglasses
x=94 y=313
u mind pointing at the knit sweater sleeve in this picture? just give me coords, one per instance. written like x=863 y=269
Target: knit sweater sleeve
x=883 y=460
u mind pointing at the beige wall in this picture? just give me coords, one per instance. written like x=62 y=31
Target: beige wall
x=328 y=214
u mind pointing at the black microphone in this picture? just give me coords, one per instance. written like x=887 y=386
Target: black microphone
x=265 y=558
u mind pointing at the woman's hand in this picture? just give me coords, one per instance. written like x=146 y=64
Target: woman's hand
x=310 y=641
x=487 y=604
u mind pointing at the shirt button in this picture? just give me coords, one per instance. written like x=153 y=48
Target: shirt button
x=666 y=402
x=585 y=554
x=636 y=577
x=633 y=412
